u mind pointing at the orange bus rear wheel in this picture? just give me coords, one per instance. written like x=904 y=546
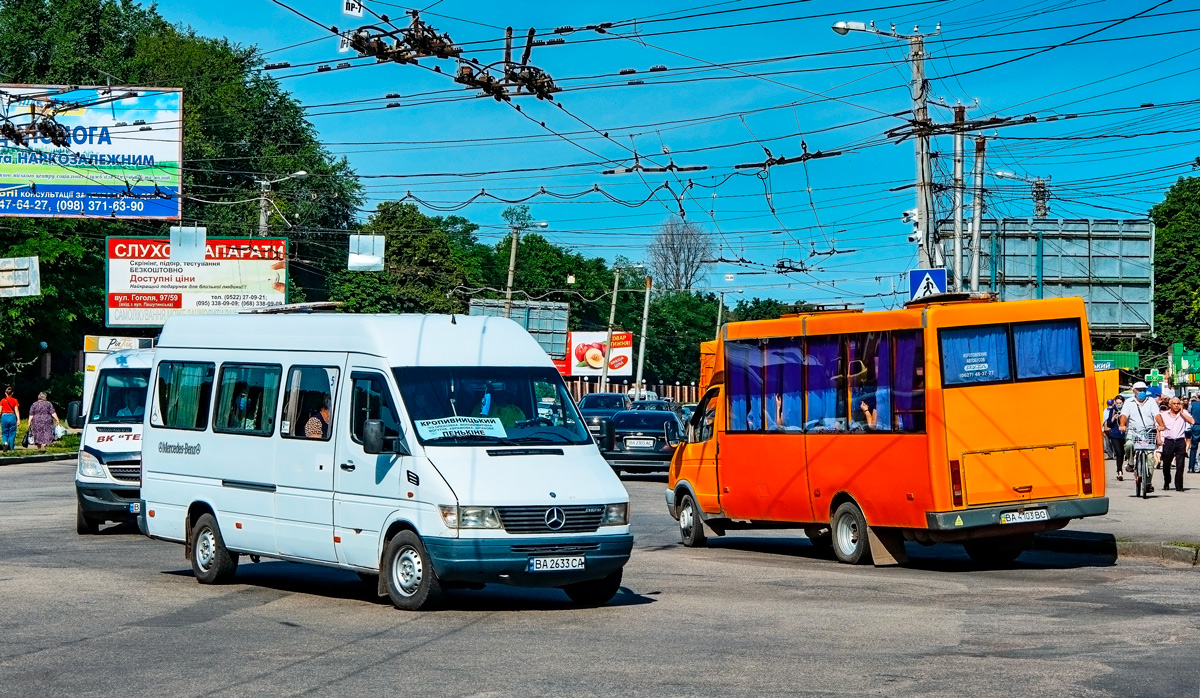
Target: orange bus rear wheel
x=850 y=535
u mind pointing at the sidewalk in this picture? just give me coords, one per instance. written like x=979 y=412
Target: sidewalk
x=1137 y=527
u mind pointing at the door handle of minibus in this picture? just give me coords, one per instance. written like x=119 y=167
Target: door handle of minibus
x=348 y=467
x=1023 y=489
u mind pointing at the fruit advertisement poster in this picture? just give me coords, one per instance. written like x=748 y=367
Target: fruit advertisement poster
x=587 y=352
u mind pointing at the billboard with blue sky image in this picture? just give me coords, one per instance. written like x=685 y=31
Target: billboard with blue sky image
x=121 y=157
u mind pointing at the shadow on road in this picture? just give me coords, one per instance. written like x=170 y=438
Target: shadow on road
x=312 y=580
x=946 y=557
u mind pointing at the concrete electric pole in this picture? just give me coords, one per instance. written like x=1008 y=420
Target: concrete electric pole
x=960 y=117
x=977 y=213
x=637 y=383
x=512 y=265
x=264 y=199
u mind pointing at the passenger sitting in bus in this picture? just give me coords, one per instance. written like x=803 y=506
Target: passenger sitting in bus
x=499 y=405
x=867 y=407
x=317 y=426
x=133 y=407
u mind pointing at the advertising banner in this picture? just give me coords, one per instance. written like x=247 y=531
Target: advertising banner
x=586 y=355
x=121 y=158
x=145 y=287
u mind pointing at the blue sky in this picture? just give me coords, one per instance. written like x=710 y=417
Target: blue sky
x=837 y=217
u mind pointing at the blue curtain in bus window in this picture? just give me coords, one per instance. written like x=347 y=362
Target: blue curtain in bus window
x=825 y=395
x=870 y=384
x=909 y=382
x=975 y=355
x=783 y=398
x=1048 y=349
x=743 y=368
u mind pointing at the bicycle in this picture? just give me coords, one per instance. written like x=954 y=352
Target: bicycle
x=1144 y=443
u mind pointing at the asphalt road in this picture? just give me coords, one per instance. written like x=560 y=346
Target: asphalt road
x=753 y=615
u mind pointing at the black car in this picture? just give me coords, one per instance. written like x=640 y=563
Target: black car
x=640 y=441
x=597 y=406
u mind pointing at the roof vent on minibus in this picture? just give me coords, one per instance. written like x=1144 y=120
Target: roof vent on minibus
x=954 y=297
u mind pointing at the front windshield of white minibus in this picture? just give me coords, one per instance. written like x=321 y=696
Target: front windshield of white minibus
x=120 y=396
x=469 y=406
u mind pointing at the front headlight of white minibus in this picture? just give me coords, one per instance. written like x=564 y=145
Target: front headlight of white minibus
x=615 y=514
x=469 y=517
x=89 y=466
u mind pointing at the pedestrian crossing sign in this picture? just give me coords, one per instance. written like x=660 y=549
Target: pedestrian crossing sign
x=926 y=282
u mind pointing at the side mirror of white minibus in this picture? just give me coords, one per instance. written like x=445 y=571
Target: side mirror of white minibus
x=75 y=414
x=373 y=436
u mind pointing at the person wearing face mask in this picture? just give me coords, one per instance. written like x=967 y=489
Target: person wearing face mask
x=1138 y=415
x=1114 y=435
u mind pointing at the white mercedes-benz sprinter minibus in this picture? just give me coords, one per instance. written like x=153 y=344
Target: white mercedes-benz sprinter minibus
x=109 y=471
x=434 y=451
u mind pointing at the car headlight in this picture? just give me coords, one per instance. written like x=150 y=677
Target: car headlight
x=469 y=517
x=89 y=465
x=615 y=514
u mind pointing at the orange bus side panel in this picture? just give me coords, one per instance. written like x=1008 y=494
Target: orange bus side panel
x=763 y=477
x=887 y=474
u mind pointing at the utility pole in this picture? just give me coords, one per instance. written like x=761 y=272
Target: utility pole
x=960 y=118
x=637 y=384
x=721 y=308
x=512 y=264
x=612 y=317
x=977 y=213
x=262 y=209
x=512 y=267
x=921 y=129
x=1041 y=198
x=924 y=165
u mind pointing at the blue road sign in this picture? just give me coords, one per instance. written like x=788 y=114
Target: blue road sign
x=926 y=282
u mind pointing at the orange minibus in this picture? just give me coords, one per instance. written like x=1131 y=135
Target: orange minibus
x=955 y=419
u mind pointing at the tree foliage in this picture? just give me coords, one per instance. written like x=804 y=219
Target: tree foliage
x=1176 y=265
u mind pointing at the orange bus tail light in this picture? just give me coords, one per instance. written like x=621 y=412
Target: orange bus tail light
x=956 y=483
x=1085 y=469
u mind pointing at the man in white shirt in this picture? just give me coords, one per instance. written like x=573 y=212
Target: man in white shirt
x=132 y=407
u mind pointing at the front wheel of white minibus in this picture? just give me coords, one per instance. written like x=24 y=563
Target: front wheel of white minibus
x=212 y=563
x=850 y=534
x=412 y=584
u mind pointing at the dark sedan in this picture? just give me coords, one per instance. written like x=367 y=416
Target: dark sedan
x=597 y=406
x=640 y=441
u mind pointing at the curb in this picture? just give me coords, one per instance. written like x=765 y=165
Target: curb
x=1106 y=544
x=35 y=458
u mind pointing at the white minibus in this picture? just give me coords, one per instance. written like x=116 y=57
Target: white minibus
x=427 y=451
x=108 y=473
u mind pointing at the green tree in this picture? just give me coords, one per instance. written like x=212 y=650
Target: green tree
x=764 y=309
x=1177 y=266
x=679 y=322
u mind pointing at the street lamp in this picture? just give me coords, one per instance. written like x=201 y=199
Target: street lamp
x=916 y=42
x=263 y=200
x=512 y=262
x=1041 y=195
x=721 y=307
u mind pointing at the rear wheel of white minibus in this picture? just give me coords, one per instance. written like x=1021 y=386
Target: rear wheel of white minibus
x=212 y=563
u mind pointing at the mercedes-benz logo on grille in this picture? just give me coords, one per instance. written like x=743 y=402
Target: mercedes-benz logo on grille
x=555 y=518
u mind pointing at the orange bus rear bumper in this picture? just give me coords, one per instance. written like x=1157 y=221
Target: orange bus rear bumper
x=1056 y=510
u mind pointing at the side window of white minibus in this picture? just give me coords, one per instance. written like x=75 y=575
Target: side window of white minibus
x=370 y=398
x=246 y=399
x=308 y=402
x=183 y=393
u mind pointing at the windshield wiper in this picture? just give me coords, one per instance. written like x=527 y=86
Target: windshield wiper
x=479 y=438
x=559 y=438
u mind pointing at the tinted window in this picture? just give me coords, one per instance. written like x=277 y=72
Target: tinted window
x=974 y=355
x=308 y=402
x=184 y=391
x=642 y=419
x=246 y=399
x=784 y=401
x=602 y=402
x=908 y=394
x=743 y=378
x=824 y=376
x=120 y=396
x=869 y=376
x=1047 y=349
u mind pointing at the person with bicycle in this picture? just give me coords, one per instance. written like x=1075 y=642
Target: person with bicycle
x=1139 y=416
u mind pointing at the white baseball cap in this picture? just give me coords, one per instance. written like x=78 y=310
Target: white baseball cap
x=1139 y=386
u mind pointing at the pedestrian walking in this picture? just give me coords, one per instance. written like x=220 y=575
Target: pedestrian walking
x=10 y=419
x=1194 y=410
x=1108 y=447
x=42 y=420
x=1113 y=434
x=1173 y=424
